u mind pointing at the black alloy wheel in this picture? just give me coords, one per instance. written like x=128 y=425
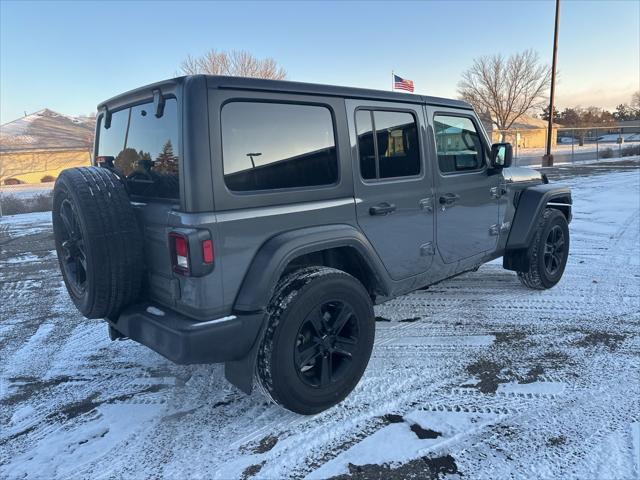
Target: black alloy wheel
x=548 y=252
x=318 y=339
x=327 y=341
x=74 y=257
x=554 y=250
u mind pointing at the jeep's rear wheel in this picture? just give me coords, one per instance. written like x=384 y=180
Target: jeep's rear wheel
x=548 y=252
x=318 y=341
x=98 y=241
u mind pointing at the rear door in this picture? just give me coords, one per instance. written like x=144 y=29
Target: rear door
x=467 y=191
x=394 y=196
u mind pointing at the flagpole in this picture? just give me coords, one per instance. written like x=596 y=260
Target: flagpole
x=392 y=80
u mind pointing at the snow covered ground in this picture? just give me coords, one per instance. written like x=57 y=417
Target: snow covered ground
x=476 y=377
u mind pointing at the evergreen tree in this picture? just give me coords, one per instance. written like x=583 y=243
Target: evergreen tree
x=167 y=161
x=545 y=114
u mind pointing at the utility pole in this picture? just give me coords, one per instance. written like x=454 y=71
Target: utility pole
x=547 y=160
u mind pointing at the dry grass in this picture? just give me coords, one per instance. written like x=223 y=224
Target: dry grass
x=12 y=204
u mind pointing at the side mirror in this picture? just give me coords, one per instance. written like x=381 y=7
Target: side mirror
x=501 y=155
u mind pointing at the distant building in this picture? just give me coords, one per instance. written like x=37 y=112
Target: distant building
x=628 y=126
x=526 y=132
x=37 y=147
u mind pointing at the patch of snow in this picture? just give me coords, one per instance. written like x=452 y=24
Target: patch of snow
x=470 y=340
x=393 y=443
x=22 y=413
x=613 y=137
x=26 y=223
x=533 y=388
x=635 y=442
x=28 y=356
x=397 y=443
x=22 y=259
x=67 y=448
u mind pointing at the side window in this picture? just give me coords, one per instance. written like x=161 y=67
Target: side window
x=268 y=146
x=458 y=144
x=366 y=147
x=394 y=150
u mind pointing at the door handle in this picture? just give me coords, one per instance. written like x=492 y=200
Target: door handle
x=449 y=199
x=426 y=204
x=383 y=208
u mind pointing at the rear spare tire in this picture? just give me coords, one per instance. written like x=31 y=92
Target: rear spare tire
x=98 y=241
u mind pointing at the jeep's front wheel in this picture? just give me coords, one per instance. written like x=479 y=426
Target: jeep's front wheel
x=318 y=340
x=548 y=252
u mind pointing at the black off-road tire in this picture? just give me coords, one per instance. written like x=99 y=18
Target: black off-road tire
x=539 y=277
x=296 y=298
x=98 y=241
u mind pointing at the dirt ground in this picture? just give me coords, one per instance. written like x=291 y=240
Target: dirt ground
x=476 y=377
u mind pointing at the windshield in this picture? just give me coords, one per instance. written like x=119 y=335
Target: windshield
x=143 y=149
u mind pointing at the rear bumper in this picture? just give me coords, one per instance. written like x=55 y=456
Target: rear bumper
x=186 y=341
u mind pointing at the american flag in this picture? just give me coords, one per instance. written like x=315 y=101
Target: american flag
x=400 y=83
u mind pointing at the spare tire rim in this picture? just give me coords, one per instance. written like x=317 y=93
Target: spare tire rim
x=74 y=258
x=326 y=343
x=554 y=250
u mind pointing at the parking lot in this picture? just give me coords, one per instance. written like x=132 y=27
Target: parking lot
x=475 y=377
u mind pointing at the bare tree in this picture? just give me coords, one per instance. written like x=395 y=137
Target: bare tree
x=507 y=88
x=236 y=63
x=635 y=103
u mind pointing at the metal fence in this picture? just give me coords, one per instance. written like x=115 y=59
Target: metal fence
x=570 y=145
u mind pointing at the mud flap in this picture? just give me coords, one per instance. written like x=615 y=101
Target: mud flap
x=240 y=372
x=516 y=260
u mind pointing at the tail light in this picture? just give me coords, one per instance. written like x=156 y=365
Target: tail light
x=207 y=251
x=179 y=244
x=192 y=252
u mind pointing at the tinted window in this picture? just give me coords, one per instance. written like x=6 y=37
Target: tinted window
x=273 y=145
x=143 y=149
x=366 y=147
x=395 y=151
x=458 y=144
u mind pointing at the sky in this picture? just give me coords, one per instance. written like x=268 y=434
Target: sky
x=69 y=56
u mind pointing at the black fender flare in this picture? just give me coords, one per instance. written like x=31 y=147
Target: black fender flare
x=276 y=253
x=268 y=265
x=531 y=203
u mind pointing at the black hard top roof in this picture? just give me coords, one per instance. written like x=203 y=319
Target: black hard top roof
x=327 y=90
x=259 y=84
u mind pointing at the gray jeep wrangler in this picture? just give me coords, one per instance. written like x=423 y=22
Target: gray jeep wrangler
x=257 y=222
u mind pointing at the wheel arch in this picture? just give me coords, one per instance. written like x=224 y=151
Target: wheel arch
x=338 y=246
x=296 y=249
x=530 y=204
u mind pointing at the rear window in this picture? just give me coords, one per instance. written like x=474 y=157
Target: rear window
x=143 y=149
x=268 y=146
